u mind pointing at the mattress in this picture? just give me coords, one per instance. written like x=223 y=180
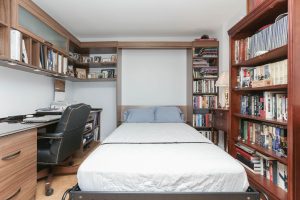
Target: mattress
x=160 y=157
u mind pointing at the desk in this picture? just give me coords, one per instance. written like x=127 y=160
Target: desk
x=18 y=160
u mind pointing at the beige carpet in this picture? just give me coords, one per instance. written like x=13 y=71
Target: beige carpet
x=60 y=185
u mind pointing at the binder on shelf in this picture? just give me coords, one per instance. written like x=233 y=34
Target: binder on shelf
x=15 y=45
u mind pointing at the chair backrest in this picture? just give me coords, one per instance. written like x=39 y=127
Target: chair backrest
x=71 y=124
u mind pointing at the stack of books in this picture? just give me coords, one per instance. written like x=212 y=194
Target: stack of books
x=270 y=37
x=205 y=86
x=202 y=120
x=210 y=135
x=206 y=52
x=265 y=135
x=269 y=105
x=263 y=165
x=266 y=75
x=206 y=101
x=210 y=72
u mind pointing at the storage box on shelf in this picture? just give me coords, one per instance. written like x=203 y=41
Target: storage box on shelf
x=260 y=99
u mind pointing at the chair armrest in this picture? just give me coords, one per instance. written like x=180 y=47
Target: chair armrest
x=50 y=136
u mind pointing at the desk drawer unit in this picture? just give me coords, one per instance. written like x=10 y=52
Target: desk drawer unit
x=18 y=165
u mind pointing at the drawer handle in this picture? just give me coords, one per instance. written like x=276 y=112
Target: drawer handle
x=12 y=156
x=15 y=194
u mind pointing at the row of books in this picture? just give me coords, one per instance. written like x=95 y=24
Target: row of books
x=202 y=120
x=265 y=135
x=266 y=75
x=269 y=105
x=205 y=52
x=48 y=59
x=270 y=37
x=260 y=164
x=205 y=86
x=205 y=72
x=52 y=61
x=211 y=135
x=206 y=101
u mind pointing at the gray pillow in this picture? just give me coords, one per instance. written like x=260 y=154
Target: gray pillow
x=168 y=114
x=139 y=115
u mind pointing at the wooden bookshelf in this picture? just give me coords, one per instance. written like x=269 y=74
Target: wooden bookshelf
x=271 y=56
x=270 y=121
x=213 y=63
x=266 y=88
x=262 y=15
x=271 y=190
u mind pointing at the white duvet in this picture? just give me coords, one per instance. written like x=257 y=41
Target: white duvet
x=160 y=157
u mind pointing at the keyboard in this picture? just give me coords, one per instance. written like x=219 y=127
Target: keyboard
x=46 y=118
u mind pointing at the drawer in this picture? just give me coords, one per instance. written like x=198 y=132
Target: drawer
x=21 y=185
x=16 y=152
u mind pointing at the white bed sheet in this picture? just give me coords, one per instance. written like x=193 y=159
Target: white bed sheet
x=196 y=165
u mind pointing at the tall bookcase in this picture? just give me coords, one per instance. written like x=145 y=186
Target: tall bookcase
x=265 y=14
x=203 y=72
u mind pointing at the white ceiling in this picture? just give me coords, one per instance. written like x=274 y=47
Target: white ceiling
x=88 y=19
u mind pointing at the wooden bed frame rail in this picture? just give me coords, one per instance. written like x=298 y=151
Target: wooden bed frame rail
x=76 y=194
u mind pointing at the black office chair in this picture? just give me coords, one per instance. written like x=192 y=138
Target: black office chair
x=56 y=147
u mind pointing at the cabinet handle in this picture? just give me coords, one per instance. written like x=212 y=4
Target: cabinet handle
x=12 y=156
x=15 y=194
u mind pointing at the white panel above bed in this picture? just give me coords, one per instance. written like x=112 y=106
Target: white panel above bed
x=153 y=77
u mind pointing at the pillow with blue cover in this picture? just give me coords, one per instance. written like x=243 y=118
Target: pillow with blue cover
x=139 y=115
x=168 y=114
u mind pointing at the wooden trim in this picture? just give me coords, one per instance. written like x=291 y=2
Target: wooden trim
x=46 y=18
x=205 y=43
x=99 y=44
x=154 y=45
x=265 y=13
x=123 y=108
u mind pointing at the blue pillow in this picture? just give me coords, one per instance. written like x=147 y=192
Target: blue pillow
x=139 y=115
x=168 y=114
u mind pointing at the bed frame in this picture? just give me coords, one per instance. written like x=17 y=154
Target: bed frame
x=77 y=194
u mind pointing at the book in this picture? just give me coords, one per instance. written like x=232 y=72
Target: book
x=65 y=65
x=15 y=45
x=265 y=75
x=60 y=64
x=205 y=102
x=202 y=120
x=267 y=38
x=282 y=176
x=265 y=135
x=205 y=86
x=24 y=52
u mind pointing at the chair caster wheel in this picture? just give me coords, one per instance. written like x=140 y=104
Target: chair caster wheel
x=49 y=192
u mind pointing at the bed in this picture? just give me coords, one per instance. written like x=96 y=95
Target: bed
x=160 y=161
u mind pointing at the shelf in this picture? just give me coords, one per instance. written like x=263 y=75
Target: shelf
x=93 y=64
x=267 y=152
x=262 y=15
x=271 y=56
x=271 y=121
x=17 y=65
x=268 y=185
x=205 y=93
x=2 y=23
x=266 y=88
x=204 y=78
x=202 y=127
x=94 y=80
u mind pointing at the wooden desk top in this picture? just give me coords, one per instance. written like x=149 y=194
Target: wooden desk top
x=11 y=128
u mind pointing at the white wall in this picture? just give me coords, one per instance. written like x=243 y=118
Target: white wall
x=153 y=77
x=222 y=35
x=98 y=95
x=23 y=92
